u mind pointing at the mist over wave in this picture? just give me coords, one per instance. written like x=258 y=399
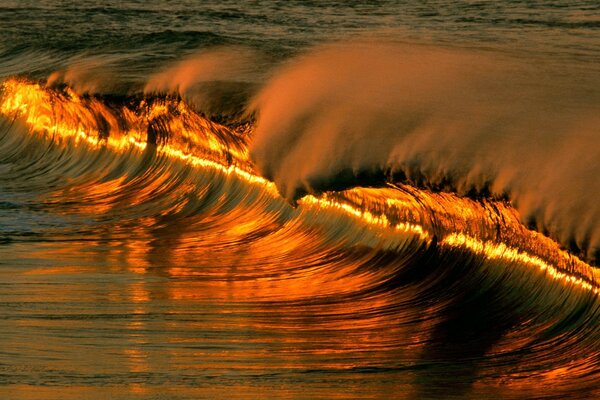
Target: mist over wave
x=472 y=122
x=216 y=81
x=87 y=75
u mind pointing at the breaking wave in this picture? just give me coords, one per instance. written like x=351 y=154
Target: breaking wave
x=472 y=123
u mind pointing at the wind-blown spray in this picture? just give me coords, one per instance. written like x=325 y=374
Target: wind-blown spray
x=467 y=122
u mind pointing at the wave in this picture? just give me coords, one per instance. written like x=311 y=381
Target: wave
x=173 y=130
x=467 y=122
x=465 y=280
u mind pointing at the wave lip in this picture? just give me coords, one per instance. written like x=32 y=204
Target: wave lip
x=120 y=121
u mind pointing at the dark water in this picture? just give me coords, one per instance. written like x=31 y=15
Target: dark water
x=143 y=256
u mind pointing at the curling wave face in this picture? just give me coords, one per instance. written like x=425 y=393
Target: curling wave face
x=428 y=290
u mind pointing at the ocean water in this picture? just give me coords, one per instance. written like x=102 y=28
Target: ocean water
x=299 y=200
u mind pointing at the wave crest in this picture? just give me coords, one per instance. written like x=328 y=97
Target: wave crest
x=472 y=123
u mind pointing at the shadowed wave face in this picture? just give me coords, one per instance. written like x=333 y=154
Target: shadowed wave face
x=299 y=200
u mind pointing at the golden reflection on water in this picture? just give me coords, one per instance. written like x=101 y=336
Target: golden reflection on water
x=195 y=318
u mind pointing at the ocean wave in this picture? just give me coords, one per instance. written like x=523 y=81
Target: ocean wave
x=167 y=128
x=455 y=280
